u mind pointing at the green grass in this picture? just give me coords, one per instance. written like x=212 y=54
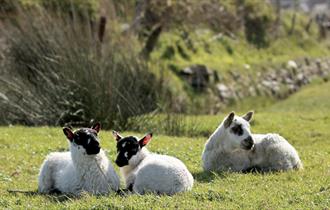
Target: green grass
x=313 y=98
x=303 y=119
x=225 y=53
x=219 y=58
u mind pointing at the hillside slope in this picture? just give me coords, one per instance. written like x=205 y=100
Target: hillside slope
x=312 y=99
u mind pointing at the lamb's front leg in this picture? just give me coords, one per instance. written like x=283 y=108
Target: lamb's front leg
x=130 y=181
x=45 y=179
x=239 y=161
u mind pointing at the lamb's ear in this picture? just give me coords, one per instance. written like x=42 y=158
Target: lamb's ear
x=116 y=135
x=145 y=140
x=97 y=127
x=229 y=119
x=68 y=133
x=248 y=116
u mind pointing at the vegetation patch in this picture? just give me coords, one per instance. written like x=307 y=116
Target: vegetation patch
x=308 y=132
x=58 y=71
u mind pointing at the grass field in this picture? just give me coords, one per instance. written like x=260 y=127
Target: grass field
x=303 y=119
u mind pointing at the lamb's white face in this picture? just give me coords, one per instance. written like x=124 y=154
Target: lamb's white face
x=238 y=131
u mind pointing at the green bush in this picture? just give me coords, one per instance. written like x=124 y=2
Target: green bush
x=82 y=8
x=58 y=72
x=7 y=5
x=258 y=17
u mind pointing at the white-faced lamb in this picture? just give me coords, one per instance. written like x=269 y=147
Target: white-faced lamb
x=84 y=168
x=232 y=147
x=146 y=172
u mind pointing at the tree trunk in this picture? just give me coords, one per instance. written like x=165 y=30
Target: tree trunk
x=278 y=18
x=308 y=25
x=293 y=23
x=140 y=8
x=151 y=41
x=293 y=19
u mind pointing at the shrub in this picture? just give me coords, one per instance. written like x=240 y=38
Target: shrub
x=257 y=21
x=56 y=71
x=7 y=5
x=81 y=7
x=169 y=124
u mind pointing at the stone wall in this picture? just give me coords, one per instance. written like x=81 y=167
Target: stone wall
x=277 y=82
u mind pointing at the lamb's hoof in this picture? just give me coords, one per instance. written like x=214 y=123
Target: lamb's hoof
x=124 y=192
x=55 y=192
x=253 y=169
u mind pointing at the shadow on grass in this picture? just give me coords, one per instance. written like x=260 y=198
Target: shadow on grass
x=60 y=197
x=54 y=196
x=208 y=176
x=57 y=196
x=25 y=192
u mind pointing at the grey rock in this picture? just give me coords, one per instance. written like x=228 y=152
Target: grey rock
x=224 y=92
x=198 y=76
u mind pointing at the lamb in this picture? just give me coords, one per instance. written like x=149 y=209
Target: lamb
x=232 y=147
x=84 y=168
x=146 y=172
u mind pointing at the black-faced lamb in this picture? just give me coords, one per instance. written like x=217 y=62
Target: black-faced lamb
x=84 y=168
x=145 y=172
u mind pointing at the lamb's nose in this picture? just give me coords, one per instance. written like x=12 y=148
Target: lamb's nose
x=118 y=163
x=249 y=140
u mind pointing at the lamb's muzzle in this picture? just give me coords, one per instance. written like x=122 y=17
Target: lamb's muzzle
x=247 y=143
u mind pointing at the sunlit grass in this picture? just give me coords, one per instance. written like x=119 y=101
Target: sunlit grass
x=225 y=53
x=304 y=123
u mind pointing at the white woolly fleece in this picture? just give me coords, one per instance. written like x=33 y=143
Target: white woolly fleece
x=74 y=172
x=271 y=152
x=162 y=174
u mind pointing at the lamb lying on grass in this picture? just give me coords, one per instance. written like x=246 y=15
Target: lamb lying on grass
x=232 y=147
x=147 y=172
x=84 y=168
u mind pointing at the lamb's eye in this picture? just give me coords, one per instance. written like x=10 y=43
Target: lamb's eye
x=77 y=140
x=237 y=130
x=134 y=150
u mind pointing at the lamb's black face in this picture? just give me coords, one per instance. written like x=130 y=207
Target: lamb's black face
x=126 y=148
x=87 y=138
